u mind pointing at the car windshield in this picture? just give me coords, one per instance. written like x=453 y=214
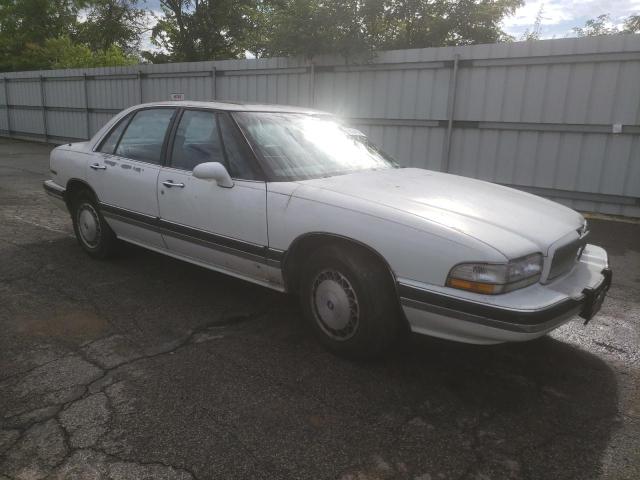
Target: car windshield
x=295 y=146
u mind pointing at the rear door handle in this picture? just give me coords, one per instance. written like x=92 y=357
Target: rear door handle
x=170 y=183
x=97 y=166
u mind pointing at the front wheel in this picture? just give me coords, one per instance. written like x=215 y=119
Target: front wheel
x=92 y=231
x=349 y=300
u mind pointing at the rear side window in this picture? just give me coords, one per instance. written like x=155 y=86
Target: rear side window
x=196 y=140
x=111 y=140
x=143 y=138
x=242 y=165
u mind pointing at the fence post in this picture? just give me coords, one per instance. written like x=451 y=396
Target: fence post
x=6 y=101
x=43 y=102
x=139 y=86
x=213 y=83
x=451 y=105
x=86 y=106
x=312 y=85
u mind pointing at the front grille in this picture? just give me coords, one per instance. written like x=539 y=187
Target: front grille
x=565 y=258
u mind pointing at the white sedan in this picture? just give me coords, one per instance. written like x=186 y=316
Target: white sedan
x=291 y=199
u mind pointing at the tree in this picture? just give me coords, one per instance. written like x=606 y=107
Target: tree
x=352 y=27
x=191 y=30
x=602 y=25
x=632 y=24
x=430 y=23
x=534 y=33
x=113 y=22
x=311 y=28
x=42 y=34
x=62 y=52
x=29 y=23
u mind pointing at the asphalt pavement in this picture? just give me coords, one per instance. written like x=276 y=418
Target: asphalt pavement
x=147 y=367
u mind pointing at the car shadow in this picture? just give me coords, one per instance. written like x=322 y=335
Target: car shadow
x=541 y=409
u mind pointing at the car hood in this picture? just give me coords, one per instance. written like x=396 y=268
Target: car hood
x=512 y=221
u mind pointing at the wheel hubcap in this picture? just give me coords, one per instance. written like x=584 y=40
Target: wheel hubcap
x=335 y=305
x=88 y=225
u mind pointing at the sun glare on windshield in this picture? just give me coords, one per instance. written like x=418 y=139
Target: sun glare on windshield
x=301 y=146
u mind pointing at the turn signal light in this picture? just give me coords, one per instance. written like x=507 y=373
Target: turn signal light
x=478 y=287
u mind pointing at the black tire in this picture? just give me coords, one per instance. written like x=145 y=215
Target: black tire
x=338 y=272
x=92 y=231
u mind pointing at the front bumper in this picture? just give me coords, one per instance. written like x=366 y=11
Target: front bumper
x=56 y=193
x=521 y=315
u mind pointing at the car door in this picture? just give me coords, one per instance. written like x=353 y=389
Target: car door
x=225 y=228
x=124 y=173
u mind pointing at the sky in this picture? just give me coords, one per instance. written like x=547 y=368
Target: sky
x=559 y=17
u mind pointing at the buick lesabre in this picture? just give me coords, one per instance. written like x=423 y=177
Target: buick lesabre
x=294 y=200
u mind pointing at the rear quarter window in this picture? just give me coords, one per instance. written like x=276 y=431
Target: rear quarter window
x=109 y=143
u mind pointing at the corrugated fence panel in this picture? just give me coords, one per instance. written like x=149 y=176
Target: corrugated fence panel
x=560 y=118
x=64 y=93
x=97 y=120
x=26 y=121
x=64 y=124
x=26 y=92
x=113 y=93
x=4 y=111
x=288 y=88
x=194 y=88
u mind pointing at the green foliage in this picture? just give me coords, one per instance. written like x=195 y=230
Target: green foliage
x=193 y=30
x=310 y=28
x=41 y=34
x=632 y=24
x=534 y=32
x=31 y=22
x=113 y=22
x=356 y=27
x=602 y=25
x=62 y=52
x=428 y=23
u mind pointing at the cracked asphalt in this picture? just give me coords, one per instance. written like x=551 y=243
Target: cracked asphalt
x=146 y=367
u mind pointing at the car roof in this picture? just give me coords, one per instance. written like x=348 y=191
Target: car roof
x=235 y=106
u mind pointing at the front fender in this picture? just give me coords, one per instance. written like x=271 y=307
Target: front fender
x=414 y=250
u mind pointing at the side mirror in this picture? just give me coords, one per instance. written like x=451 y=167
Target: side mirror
x=213 y=171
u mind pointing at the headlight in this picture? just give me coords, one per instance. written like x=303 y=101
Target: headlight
x=493 y=278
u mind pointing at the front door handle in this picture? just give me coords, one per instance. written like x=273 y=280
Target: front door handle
x=171 y=183
x=97 y=166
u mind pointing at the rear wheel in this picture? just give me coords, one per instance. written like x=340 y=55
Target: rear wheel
x=349 y=300
x=92 y=232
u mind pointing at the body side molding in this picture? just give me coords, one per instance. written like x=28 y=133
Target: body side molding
x=259 y=253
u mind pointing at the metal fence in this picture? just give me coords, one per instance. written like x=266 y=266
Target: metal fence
x=560 y=118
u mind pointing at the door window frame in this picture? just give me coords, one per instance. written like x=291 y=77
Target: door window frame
x=128 y=119
x=216 y=112
x=174 y=131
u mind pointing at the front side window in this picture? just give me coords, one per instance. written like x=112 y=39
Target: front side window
x=296 y=146
x=143 y=138
x=196 y=140
x=242 y=165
